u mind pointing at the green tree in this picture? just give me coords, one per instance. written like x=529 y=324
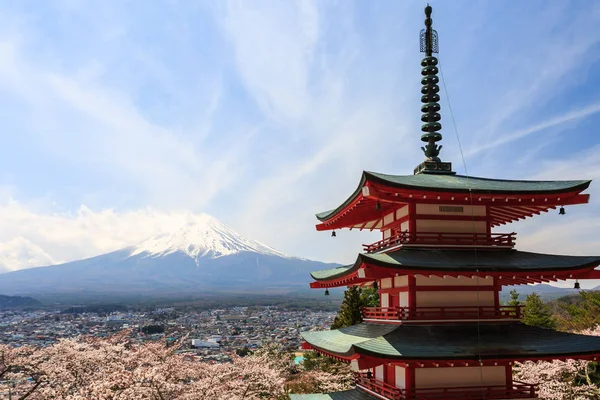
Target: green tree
x=581 y=312
x=355 y=298
x=537 y=313
x=514 y=298
x=369 y=297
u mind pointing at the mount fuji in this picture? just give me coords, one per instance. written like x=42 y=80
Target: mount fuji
x=203 y=256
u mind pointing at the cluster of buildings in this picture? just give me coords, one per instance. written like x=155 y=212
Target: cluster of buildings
x=213 y=334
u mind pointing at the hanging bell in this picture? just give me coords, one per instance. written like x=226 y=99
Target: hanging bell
x=369 y=374
x=378 y=205
x=333 y=234
x=562 y=211
x=577 y=286
x=326 y=292
x=375 y=285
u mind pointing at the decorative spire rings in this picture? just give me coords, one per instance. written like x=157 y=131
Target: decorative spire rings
x=430 y=89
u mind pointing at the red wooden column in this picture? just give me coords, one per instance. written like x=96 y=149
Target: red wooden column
x=509 y=380
x=390 y=374
x=412 y=293
x=412 y=218
x=497 y=288
x=410 y=377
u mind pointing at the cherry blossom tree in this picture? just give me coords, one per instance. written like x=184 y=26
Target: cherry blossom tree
x=558 y=380
x=119 y=369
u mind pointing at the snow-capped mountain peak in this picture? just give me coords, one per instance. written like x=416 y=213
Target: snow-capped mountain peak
x=202 y=236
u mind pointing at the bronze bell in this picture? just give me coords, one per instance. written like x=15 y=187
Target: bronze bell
x=326 y=292
x=333 y=234
x=562 y=211
x=577 y=286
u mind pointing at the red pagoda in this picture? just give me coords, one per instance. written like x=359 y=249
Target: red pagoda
x=440 y=331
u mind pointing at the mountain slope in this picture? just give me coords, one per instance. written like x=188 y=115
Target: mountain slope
x=17 y=302
x=204 y=255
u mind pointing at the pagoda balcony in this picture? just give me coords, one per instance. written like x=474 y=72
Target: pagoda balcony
x=442 y=313
x=516 y=390
x=443 y=239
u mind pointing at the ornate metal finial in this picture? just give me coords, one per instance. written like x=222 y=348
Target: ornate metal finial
x=430 y=99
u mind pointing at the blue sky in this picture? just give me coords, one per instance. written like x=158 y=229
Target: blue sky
x=121 y=118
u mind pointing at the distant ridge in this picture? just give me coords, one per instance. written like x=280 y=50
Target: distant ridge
x=18 y=302
x=202 y=256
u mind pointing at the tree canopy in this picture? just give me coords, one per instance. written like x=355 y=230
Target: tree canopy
x=355 y=298
x=537 y=313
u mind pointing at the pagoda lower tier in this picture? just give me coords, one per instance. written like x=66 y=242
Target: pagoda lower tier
x=471 y=360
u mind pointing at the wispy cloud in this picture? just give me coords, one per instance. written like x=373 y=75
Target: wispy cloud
x=572 y=116
x=263 y=113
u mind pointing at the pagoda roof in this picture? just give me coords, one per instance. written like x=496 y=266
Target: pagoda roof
x=461 y=341
x=353 y=394
x=457 y=184
x=429 y=260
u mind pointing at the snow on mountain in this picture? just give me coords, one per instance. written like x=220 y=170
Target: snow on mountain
x=19 y=253
x=203 y=236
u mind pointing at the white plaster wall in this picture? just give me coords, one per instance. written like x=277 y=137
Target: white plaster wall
x=400 y=281
x=400 y=377
x=388 y=219
x=403 y=299
x=379 y=372
x=452 y=281
x=434 y=209
x=386 y=283
x=401 y=212
x=385 y=300
x=441 y=226
x=455 y=298
x=404 y=226
x=459 y=376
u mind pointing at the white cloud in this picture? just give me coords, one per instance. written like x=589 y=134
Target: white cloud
x=32 y=237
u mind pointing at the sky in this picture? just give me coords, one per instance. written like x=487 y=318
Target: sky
x=124 y=119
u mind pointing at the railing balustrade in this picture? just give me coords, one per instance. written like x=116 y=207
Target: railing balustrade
x=442 y=313
x=499 y=240
x=517 y=390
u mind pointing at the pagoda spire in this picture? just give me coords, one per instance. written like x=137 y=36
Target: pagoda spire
x=430 y=99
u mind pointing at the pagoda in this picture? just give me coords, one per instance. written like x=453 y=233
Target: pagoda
x=440 y=331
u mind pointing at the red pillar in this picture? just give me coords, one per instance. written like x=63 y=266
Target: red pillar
x=390 y=374
x=508 y=371
x=412 y=292
x=410 y=378
x=412 y=213
x=497 y=288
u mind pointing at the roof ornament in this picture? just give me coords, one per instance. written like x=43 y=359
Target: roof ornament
x=430 y=99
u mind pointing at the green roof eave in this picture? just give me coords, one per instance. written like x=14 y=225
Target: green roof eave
x=340 y=341
x=460 y=184
x=326 y=274
x=353 y=394
x=464 y=341
x=429 y=260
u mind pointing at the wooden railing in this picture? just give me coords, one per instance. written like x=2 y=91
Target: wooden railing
x=517 y=390
x=499 y=240
x=388 y=391
x=442 y=313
